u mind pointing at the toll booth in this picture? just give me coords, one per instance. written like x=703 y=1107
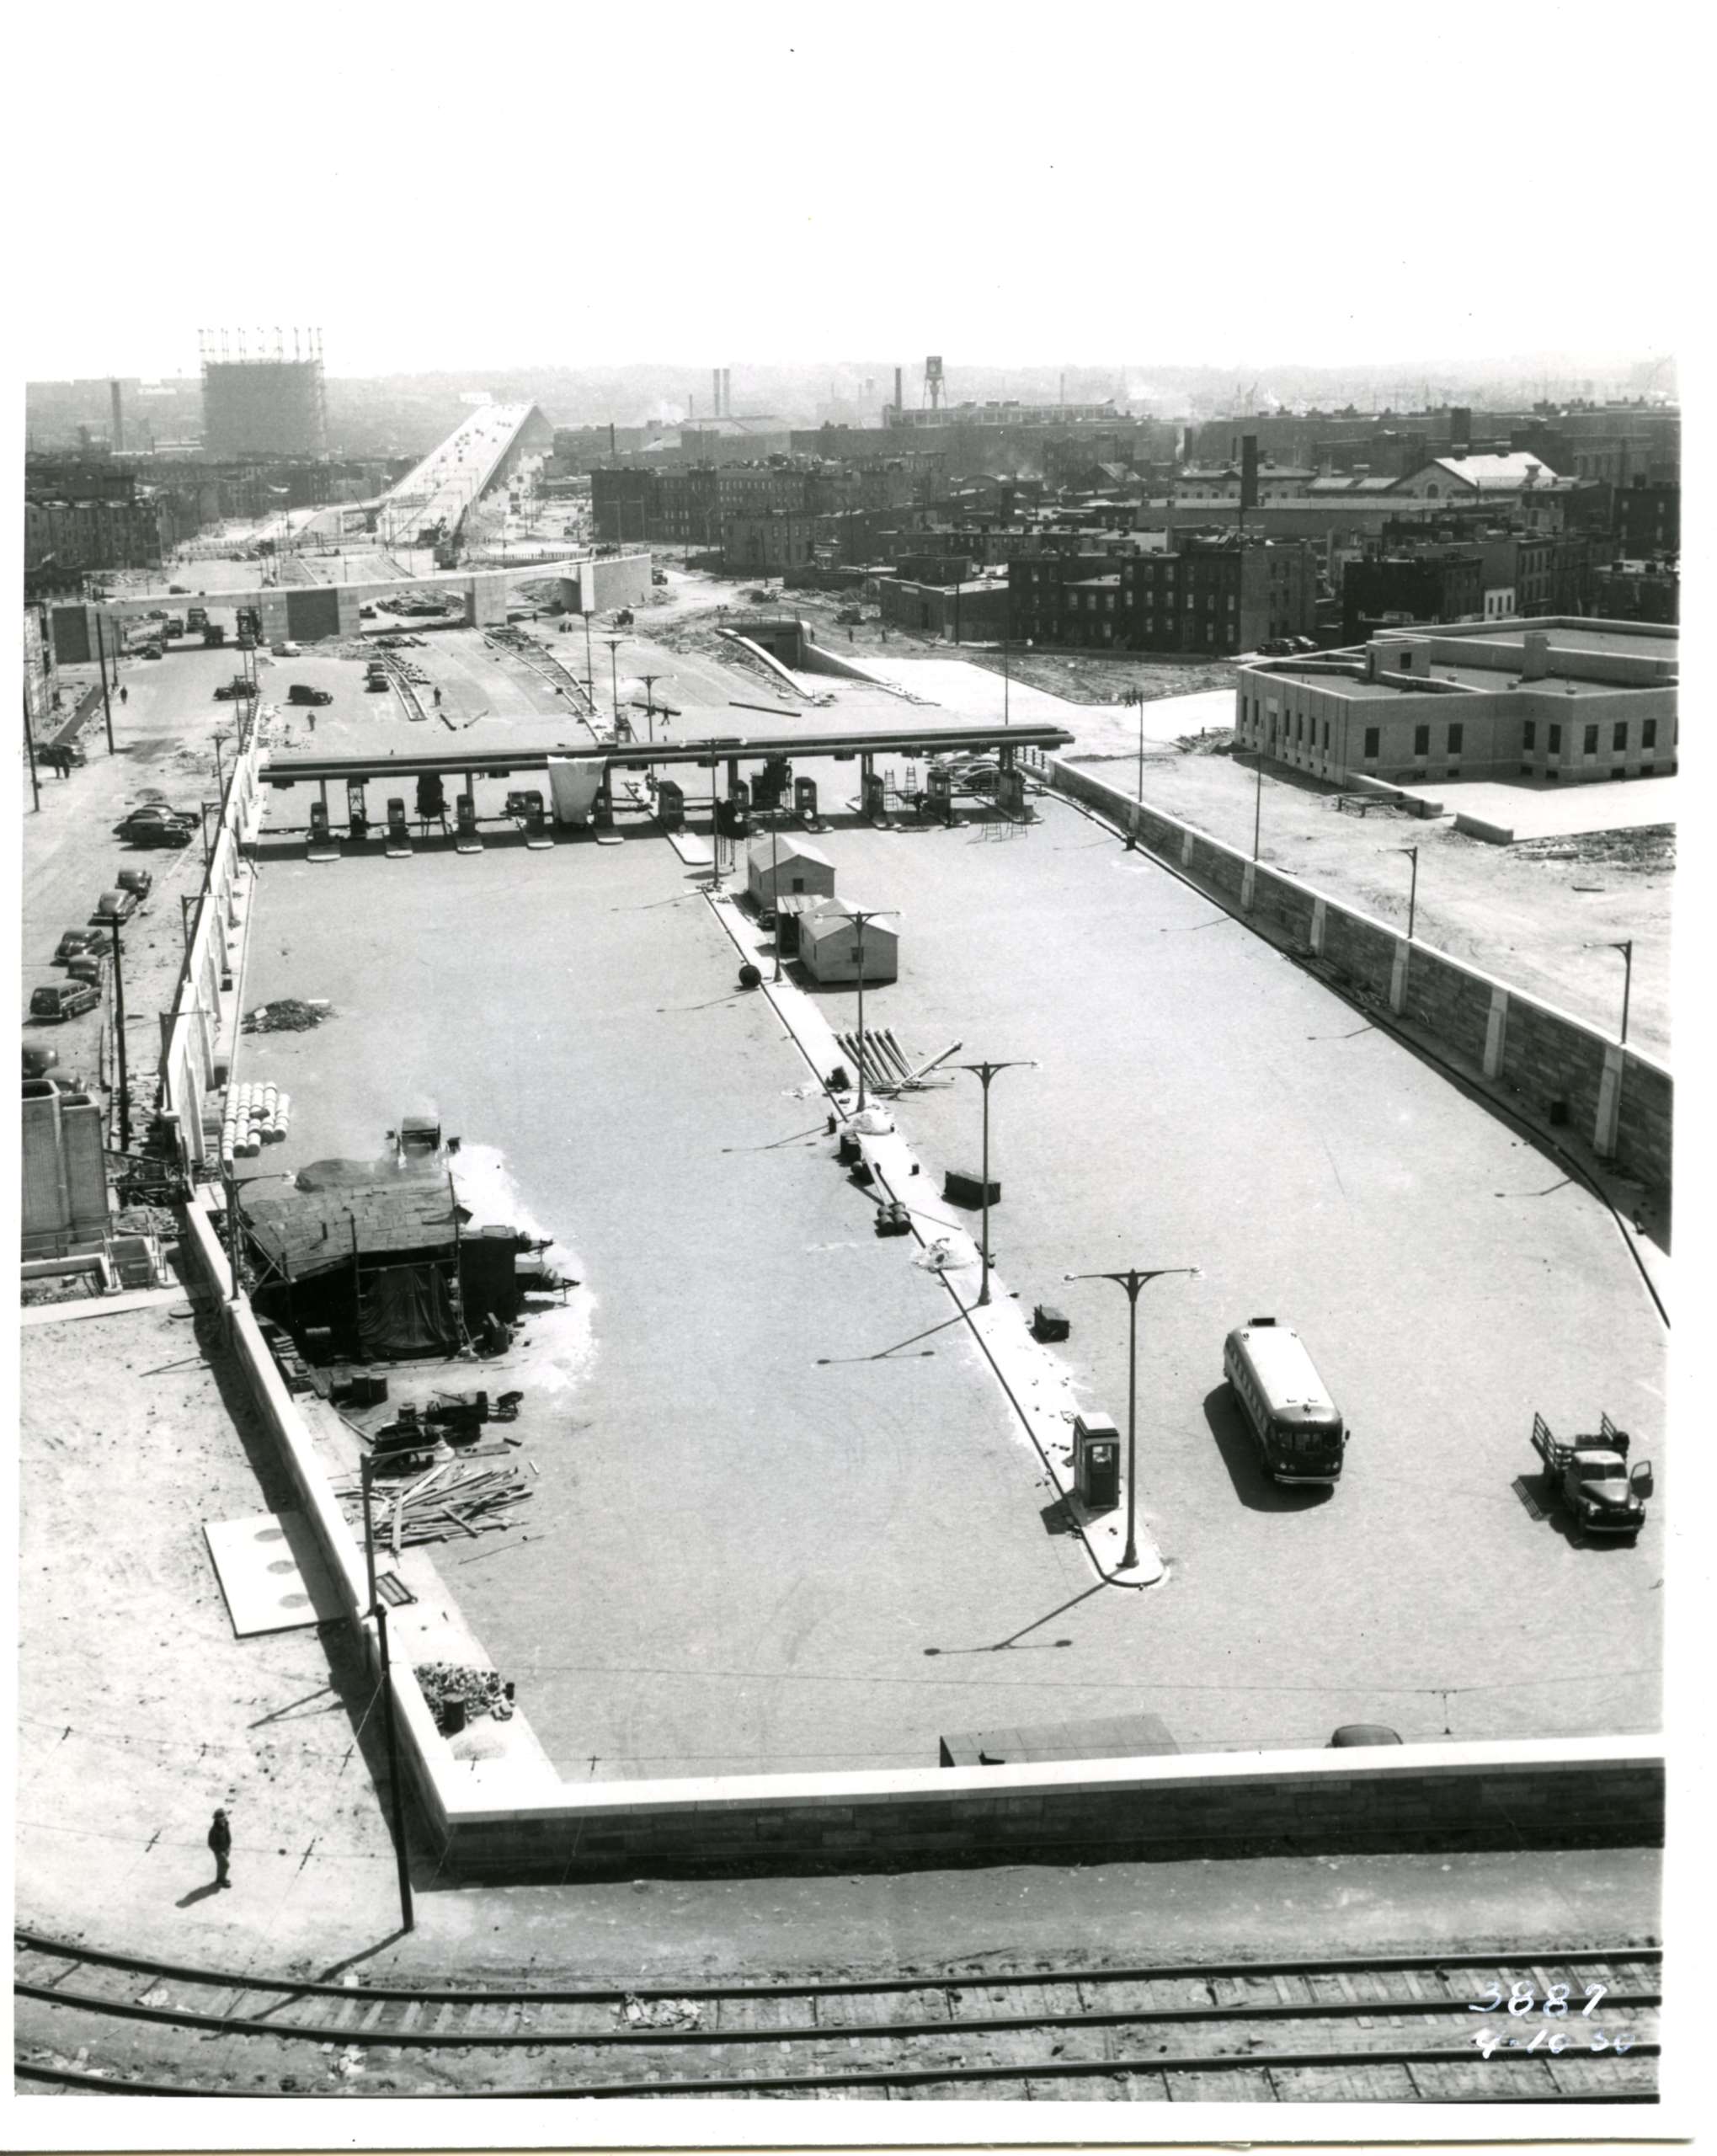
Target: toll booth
x=876 y=799
x=670 y=805
x=1010 y=793
x=399 y=844
x=357 y=815
x=465 y=832
x=321 y=846
x=1096 y=1461
x=772 y=783
x=733 y=815
x=805 y=800
x=432 y=799
x=939 y=794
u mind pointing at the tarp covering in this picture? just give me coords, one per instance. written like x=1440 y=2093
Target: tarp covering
x=573 y=781
x=407 y=1310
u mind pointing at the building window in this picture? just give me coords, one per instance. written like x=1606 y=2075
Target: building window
x=1372 y=734
x=1592 y=740
x=1529 y=734
x=1422 y=740
x=1555 y=739
x=1455 y=735
x=1648 y=733
x=1326 y=737
x=1619 y=739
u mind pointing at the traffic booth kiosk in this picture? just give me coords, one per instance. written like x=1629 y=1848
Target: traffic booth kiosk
x=1096 y=1461
x=670 y=805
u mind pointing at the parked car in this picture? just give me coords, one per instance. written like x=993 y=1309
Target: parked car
x=178 y=591
x=1303 y=643
x=65 y=1000
x=849 y=617
x=658 y=576
x=38 y=1059
x=1361 y=1733
x=152 y=651
x=169 y=827
x=227 y=692
x=91 y=970
x=116 y=905
x=367 y=613
x=76 y=942
x=299 y=693
x=137 y=881
x=286 y=651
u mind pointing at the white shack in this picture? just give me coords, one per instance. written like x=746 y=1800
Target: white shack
x=830 y=945
x=787 y=867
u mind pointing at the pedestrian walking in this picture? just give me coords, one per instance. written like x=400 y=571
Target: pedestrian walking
x=221 y=1841
x=124 y=696
x=438 y=700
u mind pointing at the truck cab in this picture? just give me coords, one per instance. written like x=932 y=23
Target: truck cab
x=1601 y=1494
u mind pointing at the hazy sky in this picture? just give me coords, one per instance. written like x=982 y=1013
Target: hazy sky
x=477 y=186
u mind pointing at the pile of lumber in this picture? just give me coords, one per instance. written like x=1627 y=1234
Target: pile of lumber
x=459 y=1497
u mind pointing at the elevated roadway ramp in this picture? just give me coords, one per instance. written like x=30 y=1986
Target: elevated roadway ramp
x=459 y=471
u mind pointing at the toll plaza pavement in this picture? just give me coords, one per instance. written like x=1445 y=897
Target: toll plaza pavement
x=785 y=1499
x=1202 y=1101
x=751 y=1554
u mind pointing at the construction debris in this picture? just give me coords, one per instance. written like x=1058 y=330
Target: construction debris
x=454 y=1694
x=458 y=1498
x=291 y=1014
x=659 y=2013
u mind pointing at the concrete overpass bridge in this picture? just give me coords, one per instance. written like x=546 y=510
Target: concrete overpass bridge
x=482 y=450
x=587 y=583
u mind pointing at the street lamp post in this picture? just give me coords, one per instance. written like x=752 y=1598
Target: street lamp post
x=35 y=784
x=859 y=918
x=378 y=1610
x=1132 y=1280
x=983 y=1073
x=589 y=673
x=1412 y=888
x=1626 y=951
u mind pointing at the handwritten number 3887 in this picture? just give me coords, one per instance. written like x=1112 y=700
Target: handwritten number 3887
x=1522 y=1998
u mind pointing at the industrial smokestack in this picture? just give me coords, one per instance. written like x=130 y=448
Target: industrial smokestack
x=716 y=392
x=119 y=418
x=900 y=405
x=727 y=392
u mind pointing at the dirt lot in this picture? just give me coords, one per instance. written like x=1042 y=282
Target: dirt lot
x=1539 y=915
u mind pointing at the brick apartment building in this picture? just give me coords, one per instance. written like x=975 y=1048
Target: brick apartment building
x=1413 y=584
x=1207 y=595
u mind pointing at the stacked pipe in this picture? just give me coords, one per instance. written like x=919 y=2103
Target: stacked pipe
x=256 y=1115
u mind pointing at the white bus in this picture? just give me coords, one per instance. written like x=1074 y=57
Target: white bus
x=1298 y=1425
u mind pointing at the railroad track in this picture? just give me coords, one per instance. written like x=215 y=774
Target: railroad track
x=1376 y=2029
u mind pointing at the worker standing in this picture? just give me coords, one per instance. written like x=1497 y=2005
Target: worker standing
x=220 y=1842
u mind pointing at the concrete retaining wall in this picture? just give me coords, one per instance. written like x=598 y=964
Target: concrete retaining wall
x=1619 y=1101
x=1547 y=1795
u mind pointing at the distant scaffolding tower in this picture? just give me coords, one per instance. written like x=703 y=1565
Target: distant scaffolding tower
x=258 y=401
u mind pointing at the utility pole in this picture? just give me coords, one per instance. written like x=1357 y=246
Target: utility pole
x=122 y=1073
x=106 y=701
x=614 y=644
x=35 y=784
x=378 y=1610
